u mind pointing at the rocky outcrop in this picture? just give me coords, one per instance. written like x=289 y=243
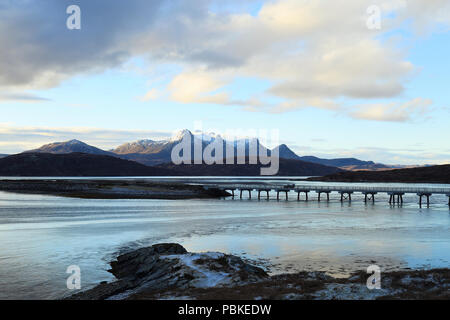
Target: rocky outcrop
x=168 y=271
x=164 y=268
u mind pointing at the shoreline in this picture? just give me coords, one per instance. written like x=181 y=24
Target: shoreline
x=168 y=271
x=111 y=189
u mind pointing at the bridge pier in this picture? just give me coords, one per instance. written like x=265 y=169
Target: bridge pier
x=320 y=192
x=428 y=195
x=286 y=191
x=367 y=198
x=348 y=193
x=300 y=191
x=399 y=196
x=249 y=193
x=263 y=190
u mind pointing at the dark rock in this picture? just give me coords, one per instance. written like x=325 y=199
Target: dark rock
x=168 y=266
x=140 y=262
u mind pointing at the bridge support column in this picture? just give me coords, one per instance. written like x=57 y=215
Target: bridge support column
x=249 y=193
x=428 y=195
x=348 y=193
x=285 y=191
x=326 y=192
x=367 y=198
x=393 y=199
x=300 y=191
x=263 y=190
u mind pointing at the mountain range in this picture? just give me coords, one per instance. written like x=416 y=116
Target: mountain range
x=343 y=163
x=153 y=158
x=152 y=152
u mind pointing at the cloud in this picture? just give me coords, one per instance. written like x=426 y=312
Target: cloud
x=152 y=94
x=424 y=16
x=21 y=97
x=39 y=52
x=196 y=87
x=393 y=112
x=311 y=52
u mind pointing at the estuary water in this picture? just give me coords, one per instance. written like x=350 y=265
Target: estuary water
x=40 y=236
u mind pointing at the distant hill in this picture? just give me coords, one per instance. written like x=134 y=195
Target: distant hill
x=74 y=165
x=70 y=147
x=339 y=162
x=350 y=164
x=431 y=174
x=286 y=153
x=288 y=167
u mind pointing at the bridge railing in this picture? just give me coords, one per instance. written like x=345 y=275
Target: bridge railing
x=377 y=189
x=336 y=188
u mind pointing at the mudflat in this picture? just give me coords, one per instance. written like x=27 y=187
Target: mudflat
x=111 y=189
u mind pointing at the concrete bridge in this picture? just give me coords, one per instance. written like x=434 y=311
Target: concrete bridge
x=345 y=191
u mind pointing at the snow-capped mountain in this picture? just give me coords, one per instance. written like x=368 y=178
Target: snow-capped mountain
x=152 y=152
x=145 y=146
x=70 y=147
x=156 y=152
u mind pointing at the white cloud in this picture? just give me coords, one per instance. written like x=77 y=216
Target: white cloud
x=394 y=112
x=311 y=52
x=197 y=87
x=152 y=94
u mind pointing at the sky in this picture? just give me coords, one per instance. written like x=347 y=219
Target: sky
x=342 y=78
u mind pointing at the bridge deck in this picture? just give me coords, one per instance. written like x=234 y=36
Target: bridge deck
x=332 y=188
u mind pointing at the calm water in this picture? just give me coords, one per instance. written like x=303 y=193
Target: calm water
x=40 y=236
